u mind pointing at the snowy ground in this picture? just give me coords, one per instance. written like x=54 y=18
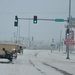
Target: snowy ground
x=39 y=62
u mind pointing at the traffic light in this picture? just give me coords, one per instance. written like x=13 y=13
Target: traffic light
x=35 y=19
x=67 y=32
x=66 y=43
x=72 y=42
x=16 y=21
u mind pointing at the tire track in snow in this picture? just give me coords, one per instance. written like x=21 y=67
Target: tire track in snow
x=61 y=71
x=37 y=68
x=35 y=55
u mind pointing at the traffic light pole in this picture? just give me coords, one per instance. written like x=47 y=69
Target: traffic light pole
x=68 y=45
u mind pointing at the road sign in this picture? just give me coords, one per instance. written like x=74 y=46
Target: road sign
x=73 y=20
x=59 y=20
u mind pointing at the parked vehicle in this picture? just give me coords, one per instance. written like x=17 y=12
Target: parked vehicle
x=8 y=51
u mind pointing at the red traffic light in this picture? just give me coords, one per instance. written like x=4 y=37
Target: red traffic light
x=72 y=42
x=66 y=43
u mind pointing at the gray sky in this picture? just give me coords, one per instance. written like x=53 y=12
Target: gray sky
x=43 y=30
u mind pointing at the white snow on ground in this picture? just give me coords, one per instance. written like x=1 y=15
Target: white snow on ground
x=39 y=62
x=59 y=61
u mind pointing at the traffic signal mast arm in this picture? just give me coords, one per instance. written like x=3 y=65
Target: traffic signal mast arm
x=35 y=20
x=57 y=20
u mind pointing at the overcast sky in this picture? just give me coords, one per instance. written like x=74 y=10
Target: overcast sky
x=43 y=30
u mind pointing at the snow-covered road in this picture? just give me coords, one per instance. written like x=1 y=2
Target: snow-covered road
x=39 y=62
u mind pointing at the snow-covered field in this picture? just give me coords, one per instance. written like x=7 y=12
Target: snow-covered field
x=39 y=62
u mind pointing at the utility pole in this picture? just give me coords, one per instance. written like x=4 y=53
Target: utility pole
x=60 y=40
x=69 y=23
x=29 y=35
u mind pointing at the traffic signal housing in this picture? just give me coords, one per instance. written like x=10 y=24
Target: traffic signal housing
x=16 y=21
x=66 y=42
x=72 y=42
x=35 y=19
x=67 y=32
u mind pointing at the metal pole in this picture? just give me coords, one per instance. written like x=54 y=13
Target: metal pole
x=17 y=36
x=29 y=35
x=60 y=40
x=68 y=46
x=14 y=37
